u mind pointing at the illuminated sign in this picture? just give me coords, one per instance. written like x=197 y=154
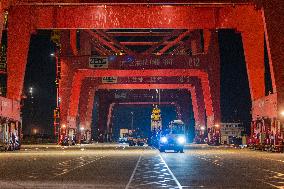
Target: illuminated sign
x=98 y=62
x=109 y=79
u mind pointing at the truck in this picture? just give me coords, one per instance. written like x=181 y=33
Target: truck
x=173 y=137
x=10 y=124
x=123 y=136
x=266 y=134
x=136 y=137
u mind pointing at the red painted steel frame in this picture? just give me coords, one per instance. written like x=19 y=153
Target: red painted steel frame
x=81 y=74
x=87 y=92
x=24 y=19
x=138 y=16
x=245 y=18
x=199 y=115
x=191 y=89
x=86 y=105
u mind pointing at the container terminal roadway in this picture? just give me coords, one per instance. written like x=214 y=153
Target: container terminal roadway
x=121 y=166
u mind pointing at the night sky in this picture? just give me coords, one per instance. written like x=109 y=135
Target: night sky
x=140 y=118
x=40 y=74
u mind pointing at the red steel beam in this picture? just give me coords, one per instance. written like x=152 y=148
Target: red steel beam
x=73 y=42
x=130 y=2
x=139 y=34
x=144 y=86
x=101 y=51
x=142 y=73
x=136 y=16
x=115 y=42
x=163 y=41
x=102 y=41
x=174 y=42
x=144 y=103
x=139 y=43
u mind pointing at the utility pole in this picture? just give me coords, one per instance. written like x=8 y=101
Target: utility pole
x=132 y=121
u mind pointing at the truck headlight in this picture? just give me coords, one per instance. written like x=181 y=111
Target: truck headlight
x=181 y=140
x=164 y=139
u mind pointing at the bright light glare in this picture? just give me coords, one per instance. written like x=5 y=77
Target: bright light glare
x=82 y=128
x=164 y=139
x=282 y=113
x=202 y=128
x=52 y=54
x=216 y=125
x=181 y=140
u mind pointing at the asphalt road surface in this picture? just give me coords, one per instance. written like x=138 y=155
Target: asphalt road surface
x=120 y=166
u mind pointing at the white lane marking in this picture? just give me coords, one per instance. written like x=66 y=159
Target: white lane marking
x=175 y=179
x=77 y=167
x=133 y=173
x=279 y=187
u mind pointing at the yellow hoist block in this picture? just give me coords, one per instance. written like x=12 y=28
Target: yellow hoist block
x=156 y=111
x=55 y=37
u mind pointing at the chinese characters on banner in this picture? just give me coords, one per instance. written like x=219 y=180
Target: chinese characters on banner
x=154 y=79
x=151 y=62
x=163 y=62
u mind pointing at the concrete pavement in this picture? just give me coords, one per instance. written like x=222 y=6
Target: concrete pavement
x=120 y=166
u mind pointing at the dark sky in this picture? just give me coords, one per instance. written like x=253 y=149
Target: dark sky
x=141 y=117
x=40 y=74
x=235 y=94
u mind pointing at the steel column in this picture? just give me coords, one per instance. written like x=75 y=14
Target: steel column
x=273 y=13
x=253 y=43
x=73 y=41
x=195 y=106
x=214 y=75
x=90 y=107
x=83 y=104
x=74 y=98
x=18 y=47
x=1 y=21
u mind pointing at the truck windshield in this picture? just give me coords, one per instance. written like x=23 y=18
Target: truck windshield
x=177 y=129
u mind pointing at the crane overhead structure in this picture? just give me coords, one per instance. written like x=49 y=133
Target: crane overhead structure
x=158 y=40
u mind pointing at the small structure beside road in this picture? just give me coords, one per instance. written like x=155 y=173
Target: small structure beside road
x=231 y=133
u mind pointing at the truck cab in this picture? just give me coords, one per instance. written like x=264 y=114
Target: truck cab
x=173 y=137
